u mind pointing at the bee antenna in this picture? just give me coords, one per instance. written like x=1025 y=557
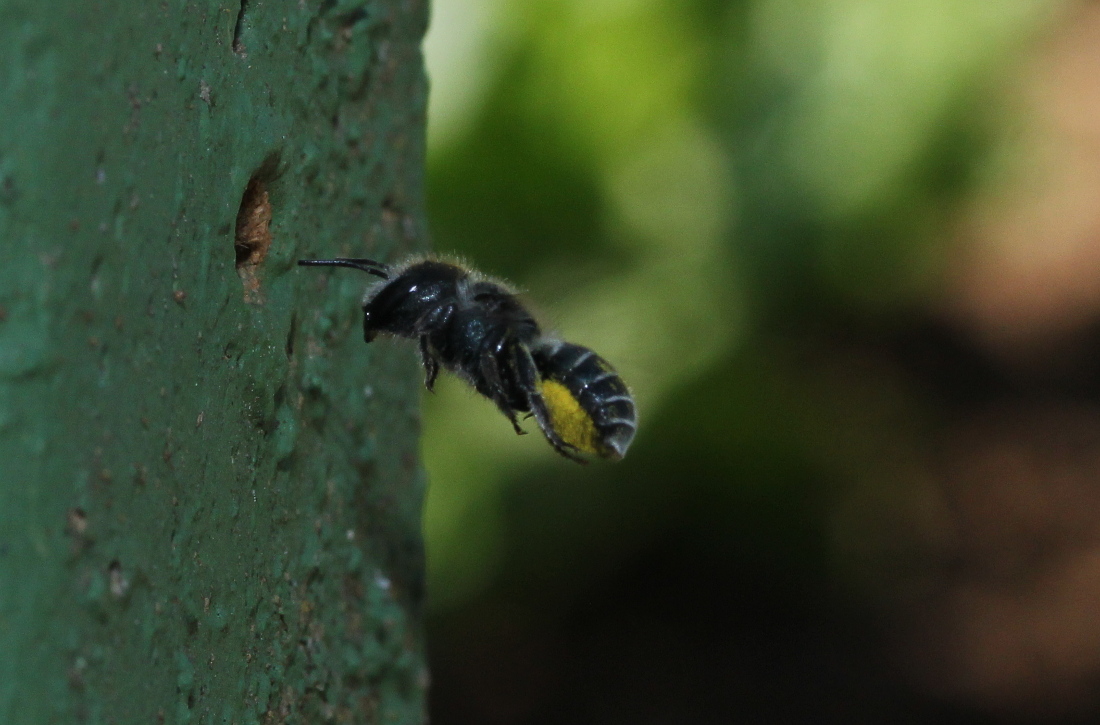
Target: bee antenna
x=366 y=265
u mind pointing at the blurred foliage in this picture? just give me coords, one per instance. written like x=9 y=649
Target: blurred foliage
x=697 y=189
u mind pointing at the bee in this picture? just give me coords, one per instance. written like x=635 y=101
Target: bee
x=477 y=328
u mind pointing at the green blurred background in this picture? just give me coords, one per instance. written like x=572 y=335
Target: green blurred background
x=847 y=255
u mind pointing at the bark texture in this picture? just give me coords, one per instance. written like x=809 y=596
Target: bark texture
x=209 y=487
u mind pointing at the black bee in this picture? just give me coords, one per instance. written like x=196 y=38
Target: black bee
x=477 y=328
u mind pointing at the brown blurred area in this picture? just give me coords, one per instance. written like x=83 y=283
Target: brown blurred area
x=1028 y=262
x=1007 y=613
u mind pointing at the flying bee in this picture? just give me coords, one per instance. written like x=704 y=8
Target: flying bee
x=477 y=328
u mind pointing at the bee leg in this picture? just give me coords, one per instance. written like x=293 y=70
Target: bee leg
x=528 y=376
x=433 y=319
x=490 y=371
x=430 y=363
x=507 y=346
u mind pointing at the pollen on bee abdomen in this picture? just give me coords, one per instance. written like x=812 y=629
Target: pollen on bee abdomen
x=570 y=421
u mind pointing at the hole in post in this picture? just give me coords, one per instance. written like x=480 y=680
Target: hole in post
x=238 y=27
x=290 y=335
x=253 y=236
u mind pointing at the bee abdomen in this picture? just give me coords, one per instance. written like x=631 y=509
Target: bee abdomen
x=597 y=394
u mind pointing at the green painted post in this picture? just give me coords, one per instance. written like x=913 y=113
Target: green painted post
x=209 y=486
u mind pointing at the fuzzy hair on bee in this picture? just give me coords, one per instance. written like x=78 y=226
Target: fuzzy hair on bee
x=477 y=328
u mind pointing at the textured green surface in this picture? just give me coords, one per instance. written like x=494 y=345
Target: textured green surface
x=209 y=508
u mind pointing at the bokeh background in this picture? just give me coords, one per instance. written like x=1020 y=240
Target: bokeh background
x=847 y=254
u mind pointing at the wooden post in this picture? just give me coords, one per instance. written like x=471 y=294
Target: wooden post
x=209 y=487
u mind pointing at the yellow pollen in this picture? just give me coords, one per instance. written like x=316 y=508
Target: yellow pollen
x=568 y=419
